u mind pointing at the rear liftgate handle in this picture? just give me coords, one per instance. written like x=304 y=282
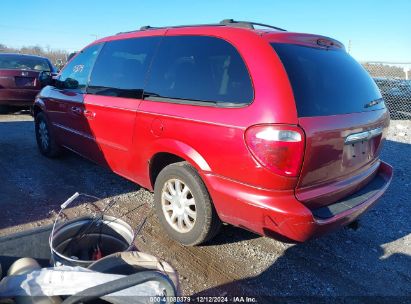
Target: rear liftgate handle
x=366 y=135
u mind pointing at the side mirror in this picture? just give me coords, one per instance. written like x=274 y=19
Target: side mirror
x=70 y=83
x=44 y=78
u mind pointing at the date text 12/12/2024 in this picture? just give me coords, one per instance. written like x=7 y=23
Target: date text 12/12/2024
x=204 y=299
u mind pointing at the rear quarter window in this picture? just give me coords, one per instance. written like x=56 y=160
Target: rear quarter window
x=327 y=81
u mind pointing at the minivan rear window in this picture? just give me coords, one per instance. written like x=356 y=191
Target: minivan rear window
x=327 y=81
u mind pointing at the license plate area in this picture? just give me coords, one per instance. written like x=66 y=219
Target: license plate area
x=360 y=153
x=24 y=81
x=361 y=148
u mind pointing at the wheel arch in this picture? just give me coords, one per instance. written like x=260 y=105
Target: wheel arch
x=171 y=151
x=38 y=107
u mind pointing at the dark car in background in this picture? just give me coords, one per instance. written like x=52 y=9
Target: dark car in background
x=19 y=82
x=397 y=96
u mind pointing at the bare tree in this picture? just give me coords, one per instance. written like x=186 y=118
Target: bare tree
x=53 y=55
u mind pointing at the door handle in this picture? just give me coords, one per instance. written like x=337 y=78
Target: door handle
x=77 y=110
x=89 y=114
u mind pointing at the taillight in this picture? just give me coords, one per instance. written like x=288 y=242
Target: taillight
x=279 y=148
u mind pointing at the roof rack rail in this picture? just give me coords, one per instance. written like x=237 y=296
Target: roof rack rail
x=148 y=27
x=143 y=28
x=248 y=24
x=225 y=22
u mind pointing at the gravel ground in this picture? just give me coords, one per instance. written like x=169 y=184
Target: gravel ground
x=373 y=260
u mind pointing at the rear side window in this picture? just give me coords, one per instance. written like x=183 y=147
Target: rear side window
x=121 y=67
x=199 y=69
x=327 y=82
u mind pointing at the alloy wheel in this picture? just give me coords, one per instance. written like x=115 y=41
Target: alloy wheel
x=178 y=205
x=44 y=135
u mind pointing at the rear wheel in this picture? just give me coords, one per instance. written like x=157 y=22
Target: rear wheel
x=44 y=137
x=183 y=205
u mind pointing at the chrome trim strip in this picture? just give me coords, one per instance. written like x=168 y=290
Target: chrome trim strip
x=376 y=132
x=366 y=135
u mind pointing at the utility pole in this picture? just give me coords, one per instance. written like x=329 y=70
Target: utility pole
x=406 y=71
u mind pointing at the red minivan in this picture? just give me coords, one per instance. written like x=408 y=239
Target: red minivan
x=276 y=132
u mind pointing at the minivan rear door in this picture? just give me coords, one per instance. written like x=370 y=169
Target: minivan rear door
x=343 y=116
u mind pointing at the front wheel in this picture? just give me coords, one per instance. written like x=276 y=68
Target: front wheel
x=183 y=205
x=44 y=137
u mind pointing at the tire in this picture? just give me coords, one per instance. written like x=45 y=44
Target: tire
x=45 y=138
x=189 y=217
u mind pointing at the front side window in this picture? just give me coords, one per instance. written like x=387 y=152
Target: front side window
x=199 y=69
x=75 y=74
x=121 y=67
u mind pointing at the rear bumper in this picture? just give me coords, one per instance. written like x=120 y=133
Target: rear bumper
x=18 y=97
x=280 y=215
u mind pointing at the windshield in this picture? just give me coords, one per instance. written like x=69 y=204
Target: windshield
x=18 y=62
x=327 y=82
